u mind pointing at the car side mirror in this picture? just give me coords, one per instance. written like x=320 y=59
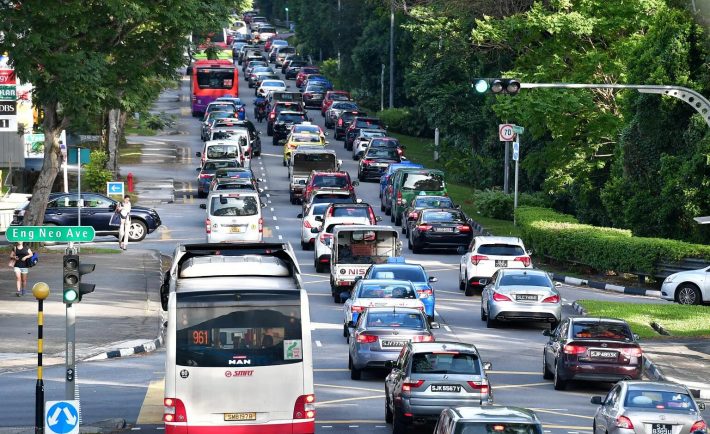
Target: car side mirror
x=344 y=296
x=701 y=406
x=461 y=250
x=389 y=364
x=636 y=337
x=357 y=278
x=319 y=218
x=351 y=325
x=197 y=169
x=547 y=332
x=356 y=182
x=403 y=158
x=315 y=230
x=327 y=133
x=434 y=325
x=112 y=206
x=299 y=216
x=433 y=279
x=263 y=204
x=402 y=147
x=597 y=400
x=198 y=154
x=558 y=284
x=358 y=200
x=530 y=252
x=378 y=219
x=203 y=206
x=487 y=366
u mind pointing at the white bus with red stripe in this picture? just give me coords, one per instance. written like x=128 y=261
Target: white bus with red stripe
x=238 y=341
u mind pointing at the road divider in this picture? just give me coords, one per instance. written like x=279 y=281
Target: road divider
x=629 y=290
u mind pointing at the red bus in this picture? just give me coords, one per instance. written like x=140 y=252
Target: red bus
x=210 y=80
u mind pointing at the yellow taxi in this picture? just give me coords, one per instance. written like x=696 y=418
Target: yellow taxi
x=295 y=140
x=308 y=128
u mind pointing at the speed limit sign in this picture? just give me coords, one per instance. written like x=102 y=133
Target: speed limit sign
x=506 y=132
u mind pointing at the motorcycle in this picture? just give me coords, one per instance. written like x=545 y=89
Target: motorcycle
x=260 y=111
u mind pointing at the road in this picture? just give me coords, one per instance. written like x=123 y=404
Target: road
x=131 y=388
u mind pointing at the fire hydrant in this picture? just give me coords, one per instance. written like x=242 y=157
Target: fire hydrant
x=129 y=179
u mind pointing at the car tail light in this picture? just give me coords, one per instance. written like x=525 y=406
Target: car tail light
x=699 y=426
x=340 y=122
x=357 y=309
x=424 y=227
x=464 y=228
x=174 y=410
x=413 y=215
x=634 y=352
x=400 y=201
x=400 y=152
x=425 y=293
x=307 y=224
x=325 y=238
x=481 y=387
x=373 y=218
x=423 y=338
x=476 y=259
x=574 y=349
x=261 y=225
x=205 y=176
x=366 y=161
x=497 y=296
x=624 y=422
x=524 y=259
x=272 y=115
x=208 y=226
x=407 y=386
x=304 y=408
x=552 y=299
x=365 y=339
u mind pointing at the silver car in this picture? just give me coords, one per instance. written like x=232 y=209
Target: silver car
x=645 y=407
x=427 y=378
x=521 y=295
x=380 y=334
x=477 y=420
x=335 y=109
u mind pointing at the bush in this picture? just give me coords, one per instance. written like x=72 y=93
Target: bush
x=95 y=173
x=404 y=121
x=560 y=236
x=498 y=205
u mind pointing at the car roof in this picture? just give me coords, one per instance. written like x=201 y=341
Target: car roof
x=425 y=347
x=523 y=271
x=351 y=205
x=664 y=386
x=328 y=172
x=387 y=282
x=598 y=319
x=496 y=414
x=290 y=112
x=499 y=240
x=394 y=309
x=397 y=265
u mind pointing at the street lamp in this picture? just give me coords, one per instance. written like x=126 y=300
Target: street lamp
x=287 y=26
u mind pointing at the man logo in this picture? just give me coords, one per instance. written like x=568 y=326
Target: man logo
x=242 y=362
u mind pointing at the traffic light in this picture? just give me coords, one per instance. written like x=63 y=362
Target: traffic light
x=74 y=290
x=509 y=86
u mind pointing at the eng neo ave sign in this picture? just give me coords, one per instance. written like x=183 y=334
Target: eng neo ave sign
x=58 y=234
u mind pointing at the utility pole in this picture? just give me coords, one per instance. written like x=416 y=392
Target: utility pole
x=506 y=168
x=382 y=88
x=339 y=37
x=391 y=105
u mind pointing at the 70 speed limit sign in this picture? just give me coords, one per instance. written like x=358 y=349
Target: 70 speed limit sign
x=506 y=132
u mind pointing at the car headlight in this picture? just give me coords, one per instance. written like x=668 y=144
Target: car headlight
x=670 y=278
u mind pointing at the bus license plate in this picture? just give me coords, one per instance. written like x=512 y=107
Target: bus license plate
x=239 y=416
x=235 y=229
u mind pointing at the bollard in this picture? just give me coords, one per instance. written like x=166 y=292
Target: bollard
x=129 y=179
x=41 y=291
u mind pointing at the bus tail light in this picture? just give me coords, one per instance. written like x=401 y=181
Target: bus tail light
x=174 y=410
x=305 y=407
x=208 y=226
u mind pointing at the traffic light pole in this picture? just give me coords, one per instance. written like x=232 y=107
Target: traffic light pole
x=70 y=346
x=506 y=168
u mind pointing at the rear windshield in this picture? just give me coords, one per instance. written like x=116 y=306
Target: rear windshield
x=366 y=123
x=413 y=274
x=320 y=208
x=215 y=78
x=272 y=83
x=222 y=151
x=333 y=198
x=214 y=165
x=386 y=291
x=657 y=399
x=315 y=87
x=386 y=143
x=347 y=211
x=433 y=202
x=265 y=29
x=309 y=71
x=241 y=206
x=338 y=97
x=243 y=174
x=520 y=279
x=445 y=363
x=465 y=427
x=212 y=331
x=220 y=107
x=289 y=117
x=601 y=330
x=443 y=216
x=501 y=250
x=226 y=135
x=330 y=181
x=236 y=186
x=423 y=182
x=395 y=319
x=386 y=153
x=344 y=106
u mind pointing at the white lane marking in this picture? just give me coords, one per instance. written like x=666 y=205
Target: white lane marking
x=319 y=344
x=268 y=195
x=281 y=237
x=277 y=228
x=272 y=210
x=448 y=329
x=274 y=218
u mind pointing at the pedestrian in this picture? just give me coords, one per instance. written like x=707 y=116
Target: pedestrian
x=124 y=210
x=19 y=256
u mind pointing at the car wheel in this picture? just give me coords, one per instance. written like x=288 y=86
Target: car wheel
x=388 y=211
x=546 y=374
x=483 y=313
x=201 y=195
x=336 y=299
x=269 y=130
x=391 y=214
x=346 y=332
x=416 y=248
x=137 y=231
x=360 y=177
x=490 y=322
x=404 y=229
x=462 y=284
x=398 y=425
x=469 y=290
x=355 y=374
x=304 y=246
x=275 y=141
x=558 y=383
x=687 y=293
x=284 y=163
x=388 y=412
x=398 y=220
x=382 y=206
x=319 y=267
x=554 y=324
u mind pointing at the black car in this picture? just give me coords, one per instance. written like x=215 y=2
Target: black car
x=291 y=68
x=62 y=210
x=344 y=121
x=283 y=123
x=375 y=161
x=358 y=123
x=441 y=228
x=411 y=212
x=313 y=94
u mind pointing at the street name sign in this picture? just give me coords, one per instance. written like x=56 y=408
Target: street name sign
x=518 y=129
x=506 y=133
x=60 y=234
x=61 y=417
x=114 y=188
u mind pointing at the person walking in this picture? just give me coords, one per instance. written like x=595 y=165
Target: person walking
x=19 y=256
x=124 y=210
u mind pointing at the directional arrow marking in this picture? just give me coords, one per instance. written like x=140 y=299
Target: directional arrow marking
x=53 y=419
x=71 y=419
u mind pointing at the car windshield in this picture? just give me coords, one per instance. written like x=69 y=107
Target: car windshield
x=658 y=399
x=423 y=182
x=214 y=165
x=319 y=209
x=395 y=319
x=601 y=330
x=222 y=151
x=351 y=211
x=330 y=181
x=385 y=153
x=234 y=206
x=443 y=217
x=446 y=362
x=413 y=274
x=525 y=279
x=467 y=427
x=273 y=83
x=386 y=291
x=432 y=202
x=501 y=250
x=291 y=117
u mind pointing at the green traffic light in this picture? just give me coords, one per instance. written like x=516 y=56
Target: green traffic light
x=70 y=296
x=481 y=86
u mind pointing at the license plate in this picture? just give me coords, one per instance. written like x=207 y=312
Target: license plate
x=239 y=416
x=445 y=388
x=392 y=344
x=501 y=263
x=603 y=354
x=658 y=428
x=235 y=229
x=525 y=297
x=444 y=229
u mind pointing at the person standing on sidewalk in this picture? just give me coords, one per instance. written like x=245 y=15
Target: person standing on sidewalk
x=124 y=210
x=20 y=254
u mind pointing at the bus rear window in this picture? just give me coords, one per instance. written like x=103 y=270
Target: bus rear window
x=238 y=336
x=215 y=78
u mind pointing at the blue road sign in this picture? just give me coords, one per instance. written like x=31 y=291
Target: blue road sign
x=114 y=188
x=61 y=417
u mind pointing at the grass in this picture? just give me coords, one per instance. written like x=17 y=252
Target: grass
x=129 y=154
x=419 y=150
x=139 y=131
x=678 y=320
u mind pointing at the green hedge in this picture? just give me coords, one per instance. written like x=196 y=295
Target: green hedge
x=562 y=237
x=498 y=205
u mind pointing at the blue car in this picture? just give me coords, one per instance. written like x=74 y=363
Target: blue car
x=393 y=168
x=397 y=268
x=241 y=107
x=321 y=79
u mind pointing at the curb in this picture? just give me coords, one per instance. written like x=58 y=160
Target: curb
x=630 y=290
x=103 y=426
x=579 y=309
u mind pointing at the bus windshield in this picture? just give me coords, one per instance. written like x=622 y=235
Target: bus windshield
x=215 y=78
x=227 y=334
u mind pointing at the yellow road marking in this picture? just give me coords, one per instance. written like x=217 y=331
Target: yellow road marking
x=152 y=408
x=360 y=398
x=333 y=386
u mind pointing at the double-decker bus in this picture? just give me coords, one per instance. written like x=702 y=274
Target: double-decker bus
x=210 y=80
x=238 y=343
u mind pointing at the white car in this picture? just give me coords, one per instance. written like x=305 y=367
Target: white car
x=379 y=293
x=485 y=256
x=309 y=222
x=268 y=86
x=322 y=245
x=687 y=287
x=233 y=216
x=363 y=140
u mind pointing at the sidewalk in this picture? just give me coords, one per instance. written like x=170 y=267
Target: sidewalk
x=685 y=362
x=121 y=314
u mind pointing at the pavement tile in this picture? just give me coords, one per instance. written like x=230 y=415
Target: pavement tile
x=686 y=362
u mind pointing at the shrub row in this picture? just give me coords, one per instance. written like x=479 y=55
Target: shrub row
x=560 y=236
x=404 y=121
x=498 y=205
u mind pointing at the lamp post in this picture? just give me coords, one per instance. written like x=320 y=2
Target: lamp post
x=287 y=26
x=41 y=291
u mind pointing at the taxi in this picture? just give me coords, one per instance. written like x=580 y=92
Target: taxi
x=295 y=140
x=309 y=128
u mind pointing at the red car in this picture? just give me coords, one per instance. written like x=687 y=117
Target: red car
x=333 y=95
x=305 y=72
x=267 y=45
x=328 y=180
x=278 y=107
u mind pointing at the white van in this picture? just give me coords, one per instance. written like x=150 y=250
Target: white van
x=233 y=216
x=235 y=134
x=222 y=150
